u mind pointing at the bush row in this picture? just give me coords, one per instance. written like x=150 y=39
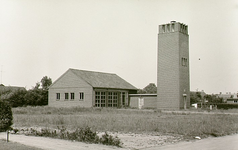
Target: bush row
x=227 y=106
x=80 y=134
x=33 y=97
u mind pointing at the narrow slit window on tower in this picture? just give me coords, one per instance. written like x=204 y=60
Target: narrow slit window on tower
x=163 y=28
x=168 y=27
x=185 y=29
x=181 y=28
x=184 y=62
x=172 y=28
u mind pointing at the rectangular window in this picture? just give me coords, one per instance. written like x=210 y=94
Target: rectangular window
x=66 y=95
x=57 y=96
x=103 y=99
x=109 y=99
x=115 y=98
x=81 y=96
x=72 y=96
x=100 y=99
x=123 y=98
x=97 y=99
x=184 y=62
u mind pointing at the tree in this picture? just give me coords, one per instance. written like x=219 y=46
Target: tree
x=17 y=98
x=195 y=97
x=213 y=98
x=46 y=82
x=5 y=116
x=150 y=89
x=38 y=95
x=140 y=91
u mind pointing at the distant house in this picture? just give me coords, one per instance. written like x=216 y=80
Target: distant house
x=89 y=89
x=226 y=96
x=7 y=91
x=232 y=101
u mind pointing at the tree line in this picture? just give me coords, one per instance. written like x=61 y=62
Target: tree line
x=37 y=96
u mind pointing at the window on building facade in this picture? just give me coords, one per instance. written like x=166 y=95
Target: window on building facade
x=57 y=96
x=103 y=99
x=97 y=99
x=66 y=96
x=106 y=99
x=184 y=62
x=123 y=98
x=81 y=96
x=100 y=99
x=109 y=99
x=71 y=96
x=115 y=99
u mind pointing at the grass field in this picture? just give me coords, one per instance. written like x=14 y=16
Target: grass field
x=127 y=120
x=13 y=146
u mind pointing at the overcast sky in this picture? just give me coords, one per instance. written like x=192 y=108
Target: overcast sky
x=47 y=37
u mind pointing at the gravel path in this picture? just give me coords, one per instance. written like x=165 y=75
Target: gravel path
x=130 y=141
x=55 y=144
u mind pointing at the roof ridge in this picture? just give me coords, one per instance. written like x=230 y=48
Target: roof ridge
x=92 y=71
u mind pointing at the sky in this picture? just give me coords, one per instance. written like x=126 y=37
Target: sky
x=47 y=37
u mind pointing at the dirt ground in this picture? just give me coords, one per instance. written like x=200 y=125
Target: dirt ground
x=139 y=141
x=130 y=141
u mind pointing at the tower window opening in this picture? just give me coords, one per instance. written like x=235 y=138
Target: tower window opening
x=163 y=28
x=172 y=28
x=181 y=28
x=168 y=28
x=185 y=29
x=184 y=62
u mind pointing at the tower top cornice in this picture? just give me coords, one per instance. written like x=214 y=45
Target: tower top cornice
x=173 y=26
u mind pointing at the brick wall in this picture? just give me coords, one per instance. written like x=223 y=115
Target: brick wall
x=149 y=102
x=172 y=77
x=168 y=71
x=184 y=70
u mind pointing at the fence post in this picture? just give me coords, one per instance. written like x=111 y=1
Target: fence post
x=8 y=135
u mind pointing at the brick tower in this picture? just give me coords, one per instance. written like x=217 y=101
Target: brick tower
x=173 y=67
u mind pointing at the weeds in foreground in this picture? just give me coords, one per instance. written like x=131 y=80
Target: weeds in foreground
x=80 y=134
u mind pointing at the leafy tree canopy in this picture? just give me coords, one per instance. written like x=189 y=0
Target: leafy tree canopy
x=46 y=82
x=149 y=89
x=5 y=116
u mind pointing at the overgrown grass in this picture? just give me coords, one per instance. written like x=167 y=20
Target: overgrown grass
x=127 y=120
x=12 y=146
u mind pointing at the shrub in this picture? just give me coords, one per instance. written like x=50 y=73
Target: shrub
x=227 y=106
x=80 y=134
x=5 y=116
x=107 y=139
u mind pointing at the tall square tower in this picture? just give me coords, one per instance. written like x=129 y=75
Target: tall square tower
x=173 y=67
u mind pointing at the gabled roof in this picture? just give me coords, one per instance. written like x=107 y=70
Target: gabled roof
x=103 y=80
